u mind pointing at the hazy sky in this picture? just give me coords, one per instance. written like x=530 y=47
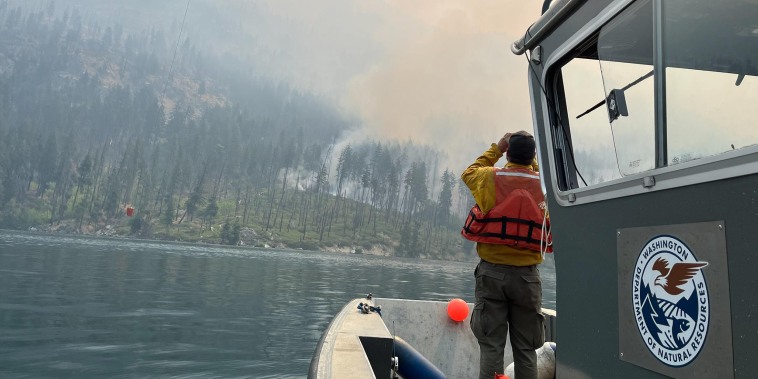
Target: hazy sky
x=440 y=73
x=437 y=72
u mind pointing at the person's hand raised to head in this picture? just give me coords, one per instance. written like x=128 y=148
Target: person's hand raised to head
x=503 y=143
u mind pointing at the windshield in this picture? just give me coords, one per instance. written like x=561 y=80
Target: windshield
x=709 y=60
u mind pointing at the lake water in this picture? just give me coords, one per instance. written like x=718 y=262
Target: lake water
x=80 y=307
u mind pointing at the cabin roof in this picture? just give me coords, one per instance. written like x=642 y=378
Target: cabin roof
x=546 y=23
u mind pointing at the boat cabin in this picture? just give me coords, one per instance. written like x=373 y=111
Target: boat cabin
x=648 y=146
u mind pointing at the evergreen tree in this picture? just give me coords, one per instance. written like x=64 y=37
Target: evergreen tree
x=168 y=216
x=210 y=212
x=446 y=197
x=230 y=235
x=195 y=201
x=226 y=231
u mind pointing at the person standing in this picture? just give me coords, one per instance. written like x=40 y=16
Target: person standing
x=507 y=224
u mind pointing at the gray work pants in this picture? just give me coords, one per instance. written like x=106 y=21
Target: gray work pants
x=508 y=297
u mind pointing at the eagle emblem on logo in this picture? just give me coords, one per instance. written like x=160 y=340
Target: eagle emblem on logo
x=670 y=300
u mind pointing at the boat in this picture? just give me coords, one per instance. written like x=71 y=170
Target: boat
x=378 y=337
x=648 y=149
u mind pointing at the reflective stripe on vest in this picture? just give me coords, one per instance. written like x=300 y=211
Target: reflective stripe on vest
x=519 y=174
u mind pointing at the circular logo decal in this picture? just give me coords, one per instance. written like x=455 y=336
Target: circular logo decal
x=670 y=300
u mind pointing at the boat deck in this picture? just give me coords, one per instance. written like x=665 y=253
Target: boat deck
x=425 y=325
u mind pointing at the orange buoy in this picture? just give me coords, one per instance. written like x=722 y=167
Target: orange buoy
x=130 y=211
x=457 y=309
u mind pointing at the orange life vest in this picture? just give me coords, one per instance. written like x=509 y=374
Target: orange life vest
x=517 y=217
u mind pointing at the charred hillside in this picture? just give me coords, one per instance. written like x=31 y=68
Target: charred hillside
x=96 y=117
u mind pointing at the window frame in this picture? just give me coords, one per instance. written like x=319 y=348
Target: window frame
x=710 y=168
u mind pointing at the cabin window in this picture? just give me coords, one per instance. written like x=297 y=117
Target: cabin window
x=615 y=64
x=711 y=84
x=625 y=53
x=594 y=152
x=706 y=88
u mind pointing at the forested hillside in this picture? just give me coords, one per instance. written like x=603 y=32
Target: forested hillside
x=96 y=118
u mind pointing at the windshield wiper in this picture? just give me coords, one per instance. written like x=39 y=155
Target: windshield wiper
x=630 y=85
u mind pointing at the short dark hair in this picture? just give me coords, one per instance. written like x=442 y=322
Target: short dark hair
x=521 y=149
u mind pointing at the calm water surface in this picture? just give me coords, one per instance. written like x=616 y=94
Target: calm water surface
x=94 y=308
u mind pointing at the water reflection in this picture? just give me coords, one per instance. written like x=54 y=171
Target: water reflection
x=80 y=307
